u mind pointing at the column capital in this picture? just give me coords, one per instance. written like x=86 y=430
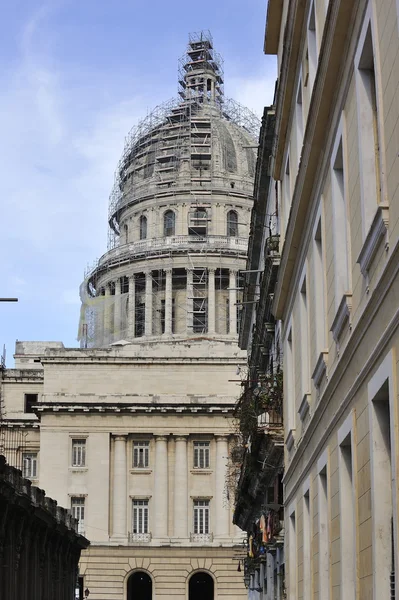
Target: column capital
x=181 y=438
x=120 y=437
x=132 y=276
x=211 y=269
x=168 y=270
x=222 y=438
x=161 y=438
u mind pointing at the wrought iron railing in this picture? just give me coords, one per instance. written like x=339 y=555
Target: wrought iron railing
x=202 y=538
x=139 y=538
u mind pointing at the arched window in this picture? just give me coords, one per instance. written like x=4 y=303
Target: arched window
x=232 y=223
x=143 y=227
x=169 y=223
x=200 y=586
x=126 y=233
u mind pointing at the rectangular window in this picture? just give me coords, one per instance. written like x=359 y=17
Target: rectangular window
x=384 y=556
x=289 y=380
x=140 y=516
x=29 y=465
x=324 y=541
x=286 y=194
x=201 y=455
x=141 y=455
x=319 y=289
x=78 y=453
x=347 y=518
x=201 y=516
x=367 y=116
x=78 y=512
x=340 y=223
x=30 y=400
x=304 y=327
x=306 y=546
x=312 y=48
x=292 y=550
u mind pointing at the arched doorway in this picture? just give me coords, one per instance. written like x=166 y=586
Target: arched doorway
x=200 y=587
x=139 y=586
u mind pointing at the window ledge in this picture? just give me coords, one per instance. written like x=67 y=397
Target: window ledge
x=320 y=368
x=78 y=469
x=304 y=407
x=290 y=440
x=342 y=316
x=141 y=471
x=378 y=230
x=201 y=471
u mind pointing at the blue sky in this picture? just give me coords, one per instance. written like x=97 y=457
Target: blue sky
x=75 y=76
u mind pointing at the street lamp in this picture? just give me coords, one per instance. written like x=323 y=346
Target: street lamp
x=87 y=592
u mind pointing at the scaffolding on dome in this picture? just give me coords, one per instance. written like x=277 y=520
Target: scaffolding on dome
x=169 y=154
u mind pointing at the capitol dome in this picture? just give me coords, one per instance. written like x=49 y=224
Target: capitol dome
x=178 y=217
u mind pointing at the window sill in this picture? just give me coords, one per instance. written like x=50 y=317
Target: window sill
x=290 y=440
x=378 y=230
x=78 y=469
x=141 y=471
x=342 y=317
x=320 y=369
x=304 y=408
x=201 y=471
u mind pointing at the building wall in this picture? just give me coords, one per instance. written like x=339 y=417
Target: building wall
x=341 y=332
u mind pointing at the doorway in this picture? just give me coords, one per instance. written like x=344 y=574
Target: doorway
x=201 y=587
x=139 y=586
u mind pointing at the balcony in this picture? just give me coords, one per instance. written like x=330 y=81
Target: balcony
x=139 y=538
x=201 y=538
x=173 y=244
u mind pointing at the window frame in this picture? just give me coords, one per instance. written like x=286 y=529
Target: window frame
x=143 y=445
x=201 y=453
x=201 y=517
x=169 y=223
x=78 y=508
x=232 y=226
x=33 y=463
x=143 y=227
x=140 y=516
x=78 y=442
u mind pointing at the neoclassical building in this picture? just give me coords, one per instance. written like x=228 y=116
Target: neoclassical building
x=335 y=166
x=133 y=430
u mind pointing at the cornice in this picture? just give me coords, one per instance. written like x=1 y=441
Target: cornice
x=378 y=231
x=80 y=407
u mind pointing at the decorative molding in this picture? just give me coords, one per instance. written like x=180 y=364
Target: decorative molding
x=290 y=440
x=138 y=471
x=378 y=230
x=342 y=316
x=304 y=406
x=320 y=369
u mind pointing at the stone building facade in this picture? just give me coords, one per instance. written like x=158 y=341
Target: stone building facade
x=335 y=161
x=133 y=430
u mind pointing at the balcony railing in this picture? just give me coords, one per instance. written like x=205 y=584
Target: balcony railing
x=139 y=538
x=201 y=538
x=164 y=245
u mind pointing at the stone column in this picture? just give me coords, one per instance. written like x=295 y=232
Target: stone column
x=233 y=302
x=181 y=488
x=148 y=303
x=222 y=513
x=107 y=314
x=132 y=307
x=119 y=489
x=211 y=301
x=190 y=303
x=168 y=302
x=117 y=311
x=160 y=521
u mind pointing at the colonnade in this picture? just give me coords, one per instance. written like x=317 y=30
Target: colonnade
x=161 y=508
x=112 y=319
